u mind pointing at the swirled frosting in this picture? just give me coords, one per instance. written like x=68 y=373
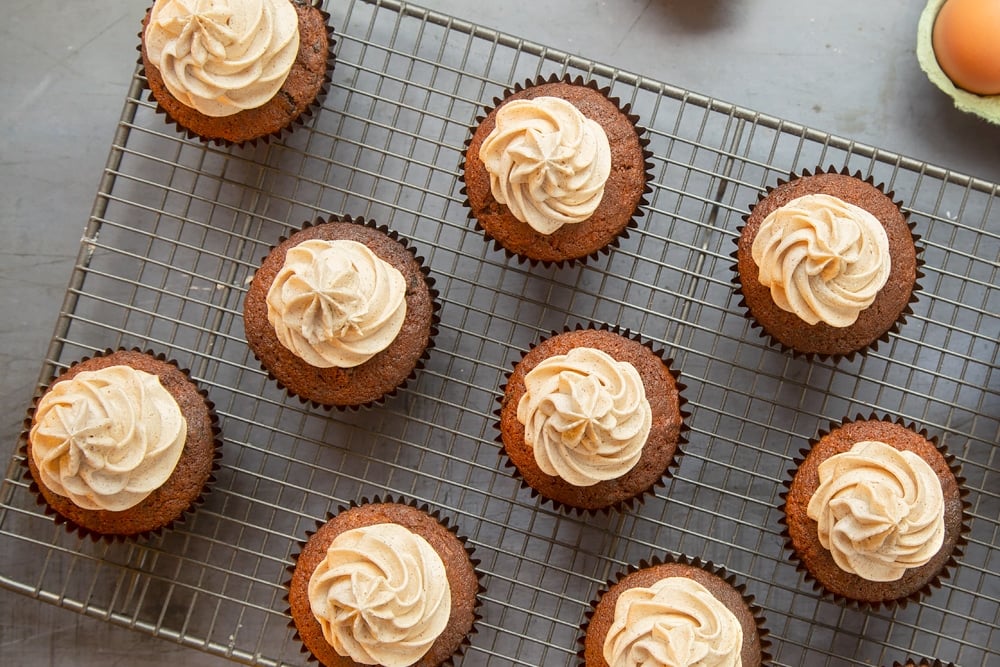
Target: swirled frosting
x=336 y=303
x=106 y=439
x=879 y=511
x=223 y=56
x=547 y=162
x=824 y=259
x=585 y=416
x=676 y=622
x=381 y=595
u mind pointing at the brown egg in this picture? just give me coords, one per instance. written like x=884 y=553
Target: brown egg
x=966 y=43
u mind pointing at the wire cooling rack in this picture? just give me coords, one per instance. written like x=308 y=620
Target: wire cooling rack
x=178 y=229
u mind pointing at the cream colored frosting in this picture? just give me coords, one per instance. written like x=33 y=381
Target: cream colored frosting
x=823 y=258
x=879 y=511
x=585 y=416
x=336 y=303
x=676 y=622
x=381 y=595
x=108 y=438
x=223 y=56
x=547 y=162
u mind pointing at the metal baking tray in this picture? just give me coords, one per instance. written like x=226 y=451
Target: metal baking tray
x=179 y=227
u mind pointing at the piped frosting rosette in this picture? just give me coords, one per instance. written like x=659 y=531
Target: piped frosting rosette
x=823 y=258
x=675 y=622
x=878 y=510
x=585 y=415
x=107 y=438
x=381 y=595
x=547 y=162
x=223 y=56
x=336 y=303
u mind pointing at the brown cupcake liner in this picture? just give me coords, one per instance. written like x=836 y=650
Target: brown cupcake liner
x=435 y=316
x=933 y=582
x=625 y=504
x=708 y=566
x=392 y=500
x=892 y=330
x=279 y=134
x=647 y=156
x=72 y=526
x=922 y=662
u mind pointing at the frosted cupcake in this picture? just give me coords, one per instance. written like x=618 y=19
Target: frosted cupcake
x=827 y=265
x=592 y=419
x=384 y=583
x=121 y=444
x=874 y=512
x=235 y=71
x=342 y=313
x=677 y=611
x=556 y=171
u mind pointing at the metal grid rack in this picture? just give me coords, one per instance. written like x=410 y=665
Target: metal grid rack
x=178 y=229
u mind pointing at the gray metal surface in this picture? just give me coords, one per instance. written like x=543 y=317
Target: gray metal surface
x=178 y=229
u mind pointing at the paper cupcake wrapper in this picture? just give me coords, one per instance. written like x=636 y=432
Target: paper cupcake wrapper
x=299 y=120
x=625 y=504
x=708 y=566
x=435 y=317
x=72 y=526
x=647 y=156
x=884 y=337
x=432 y=513
x=936 y=580
x=922 y=662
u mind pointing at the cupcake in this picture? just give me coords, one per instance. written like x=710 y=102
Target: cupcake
x=913 y=662
x=875 y=512
x=342 y=313
x=384 y=583
x=556 y=172
x=682 y=608
x=826 y=264
x=235 y=71
x=591 y=419
x=121 y=445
